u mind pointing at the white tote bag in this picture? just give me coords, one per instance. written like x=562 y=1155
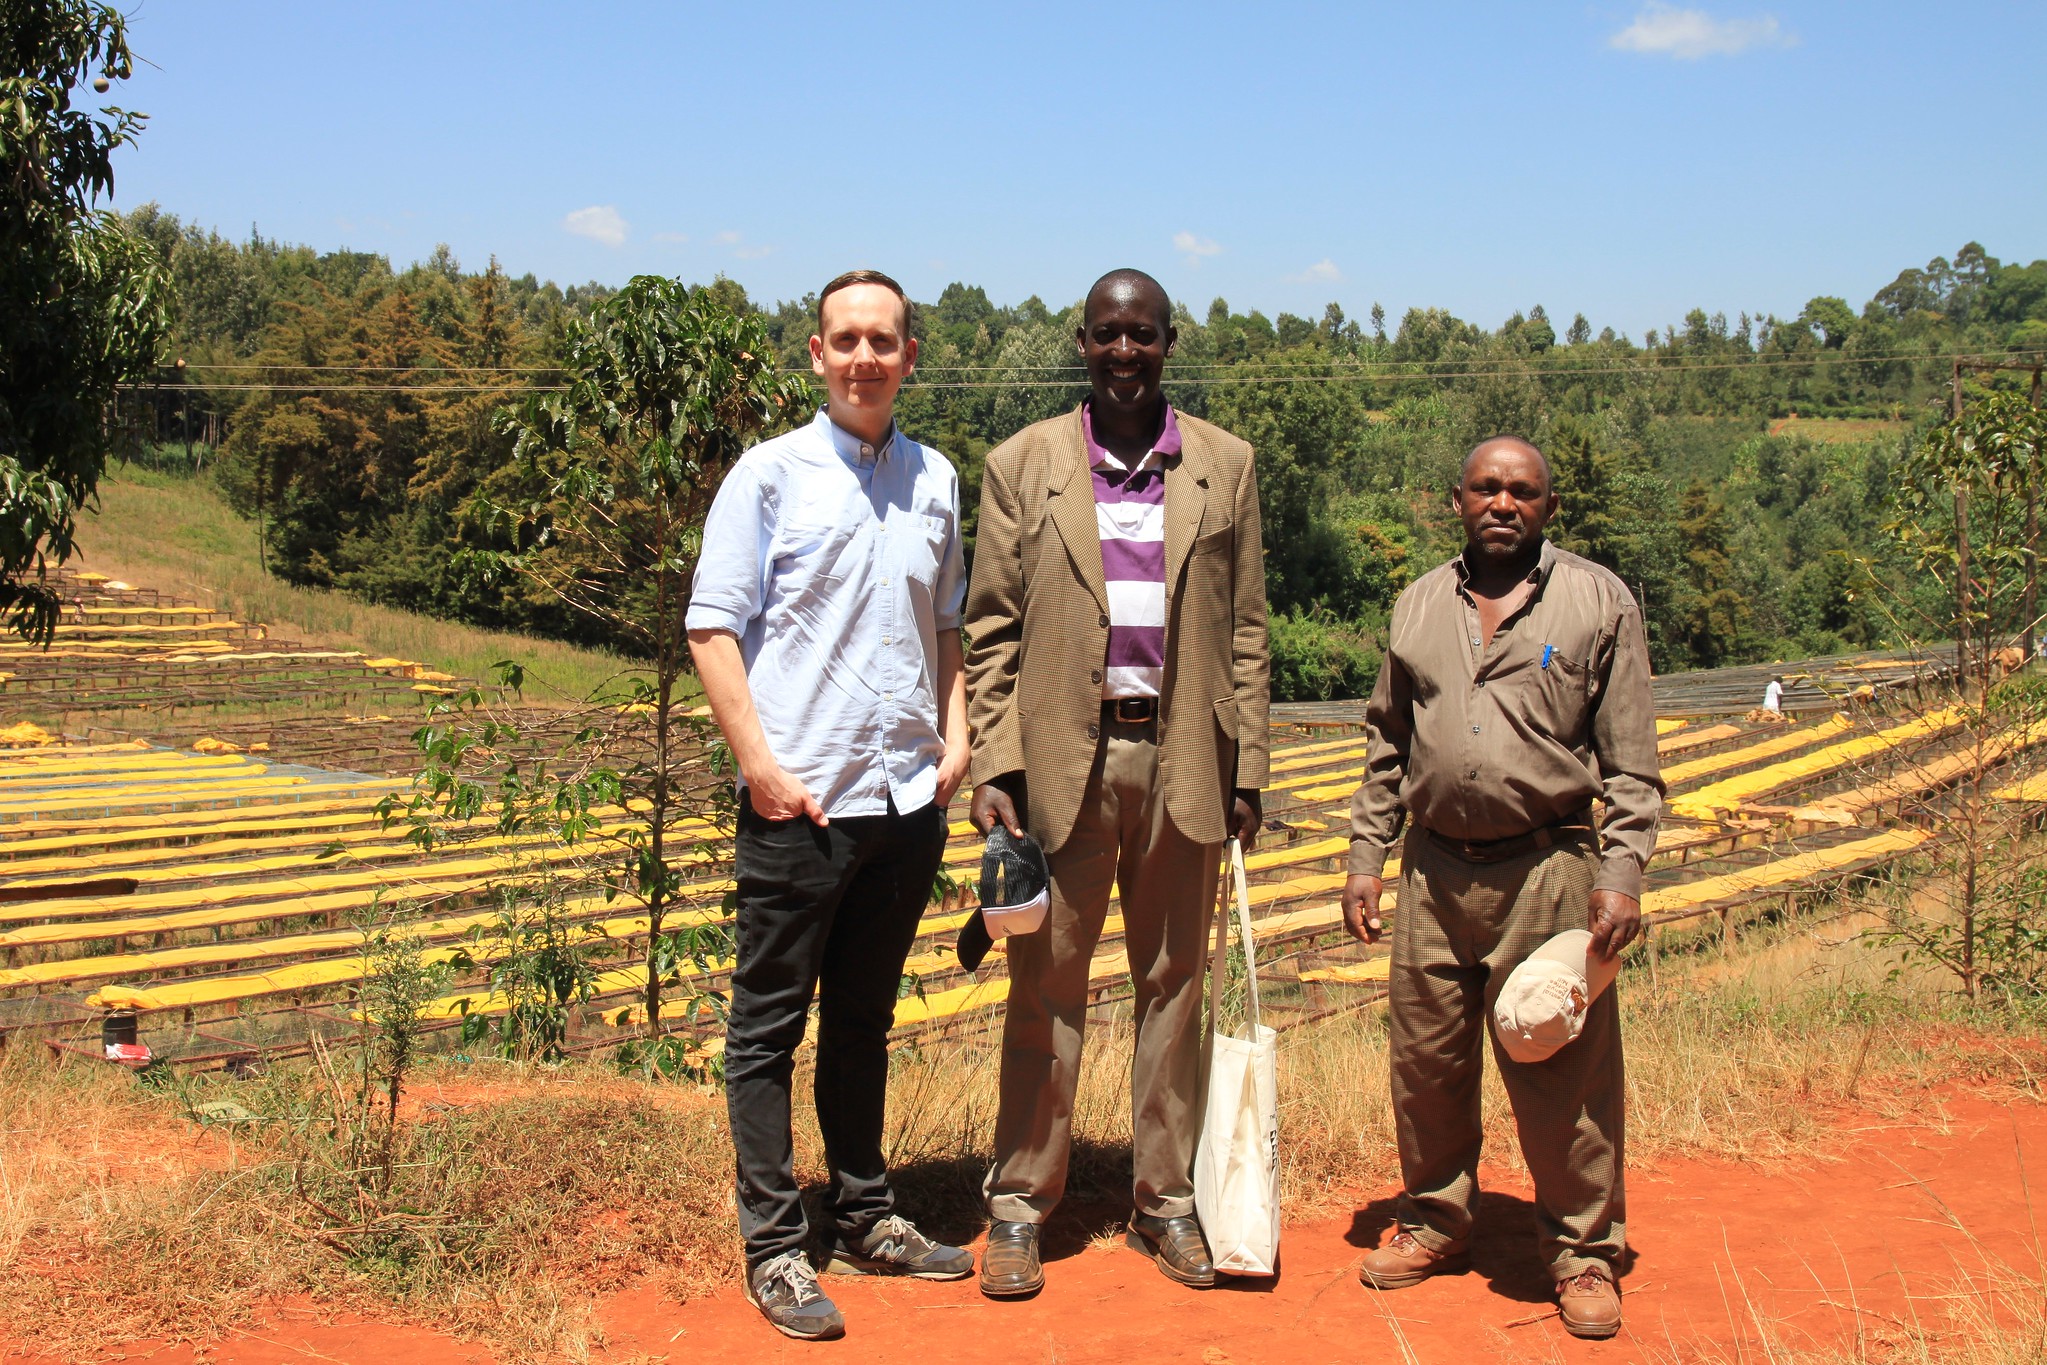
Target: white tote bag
x=1236 y=1165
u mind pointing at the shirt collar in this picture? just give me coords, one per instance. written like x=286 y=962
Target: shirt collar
x=1167 y=442
x=851 y=448
x=1545 y=560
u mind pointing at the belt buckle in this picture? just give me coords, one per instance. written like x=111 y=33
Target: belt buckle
x=1134 y=710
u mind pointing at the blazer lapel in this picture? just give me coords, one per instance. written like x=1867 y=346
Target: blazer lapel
x=1186 y=500
x=1070 y=504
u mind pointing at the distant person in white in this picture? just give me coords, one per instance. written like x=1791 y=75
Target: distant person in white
x=1773 y=696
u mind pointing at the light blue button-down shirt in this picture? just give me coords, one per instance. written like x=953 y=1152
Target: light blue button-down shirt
x=836 y=564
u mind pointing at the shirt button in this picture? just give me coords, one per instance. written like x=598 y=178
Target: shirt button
x=889 y=640
x=1474 y=729
x=1481 y=681
x=1473 y=774
x=1103 y=621
x=884 y=582
x=1095 y=676
x=1094 y=732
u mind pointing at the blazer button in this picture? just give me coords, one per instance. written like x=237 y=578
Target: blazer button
x=1103 y=620
x=1095 y=676
x=1094 y=732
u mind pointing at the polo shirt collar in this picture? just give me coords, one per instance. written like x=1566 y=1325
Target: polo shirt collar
x=1167 y=443
x=851 y=448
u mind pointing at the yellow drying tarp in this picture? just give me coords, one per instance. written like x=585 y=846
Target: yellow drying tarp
x=391 y=880
x=302 y=859
x=360 y=895
x=129 y=829
x=1354 y=750
x=1797 y=738
x=334 y=971
x=154 y=766
x=1352 y=973
x=2033 y=788
x=1664 y=727
x=152 y=794
x=65 y=752
x=1338 y=782
x=170 y=795
x=144 y=628
x=1709 y=803
x=1694 y=739
x=214 y=954
x=1291 y=752
x=26 y=733
x=1921 y=778
x=1691 y=897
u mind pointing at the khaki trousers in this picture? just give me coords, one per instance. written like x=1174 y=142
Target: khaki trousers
x=1460 y=929
x=1123 y=837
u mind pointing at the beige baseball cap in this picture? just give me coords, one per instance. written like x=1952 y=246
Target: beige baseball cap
x=1544 y=1002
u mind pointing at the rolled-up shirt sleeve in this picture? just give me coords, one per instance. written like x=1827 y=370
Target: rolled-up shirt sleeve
x=730 y=586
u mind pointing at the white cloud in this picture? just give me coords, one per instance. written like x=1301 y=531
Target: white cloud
x=599 y=222
x=752 y=252
x=1688 y=34
x=727 y=238
x=1323 y=271
x=1194 y=248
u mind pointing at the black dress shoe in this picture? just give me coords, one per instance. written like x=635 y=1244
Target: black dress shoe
x=1176 y=1246
x=1010 y=1268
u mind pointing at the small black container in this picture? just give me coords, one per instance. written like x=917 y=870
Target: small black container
x=118 y=1027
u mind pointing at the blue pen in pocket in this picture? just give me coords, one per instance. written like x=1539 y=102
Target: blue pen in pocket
x=1547 y=650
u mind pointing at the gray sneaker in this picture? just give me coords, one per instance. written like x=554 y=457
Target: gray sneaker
x=785 y=1289
x=895 y=1247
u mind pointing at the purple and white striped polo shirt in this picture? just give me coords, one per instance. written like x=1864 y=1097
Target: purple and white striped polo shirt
x=1130 y=514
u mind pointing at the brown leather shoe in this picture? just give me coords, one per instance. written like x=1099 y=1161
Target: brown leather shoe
x=1010 y=1268
x=1590 y=1304
x=1176 y=1246
x=1404 y=1261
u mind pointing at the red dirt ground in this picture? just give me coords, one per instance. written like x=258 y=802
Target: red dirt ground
x=1874 y=1240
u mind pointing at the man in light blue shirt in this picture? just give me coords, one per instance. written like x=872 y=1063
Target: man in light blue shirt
x=825 y=624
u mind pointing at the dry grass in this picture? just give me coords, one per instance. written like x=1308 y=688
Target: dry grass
x=525 y=1194
x=176 y=534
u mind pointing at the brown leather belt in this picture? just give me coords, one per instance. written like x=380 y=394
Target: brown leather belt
x=1131 y=710
x=1572 y=829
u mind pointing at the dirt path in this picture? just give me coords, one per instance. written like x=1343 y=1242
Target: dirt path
x=1887 y=1234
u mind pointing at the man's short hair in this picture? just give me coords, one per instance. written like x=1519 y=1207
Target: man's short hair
x=853 y=277
x=1137 y=279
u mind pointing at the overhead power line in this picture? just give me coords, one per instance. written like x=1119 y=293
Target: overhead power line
x=1243 y=373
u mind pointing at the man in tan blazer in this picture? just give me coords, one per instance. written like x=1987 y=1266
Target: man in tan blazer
x=1117 y=693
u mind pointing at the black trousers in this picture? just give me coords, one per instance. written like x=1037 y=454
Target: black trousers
x=828 y=912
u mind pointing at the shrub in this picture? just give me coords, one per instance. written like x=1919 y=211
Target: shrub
x=1316 y=657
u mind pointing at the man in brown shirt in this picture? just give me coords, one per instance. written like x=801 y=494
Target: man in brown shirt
x=1514 y=692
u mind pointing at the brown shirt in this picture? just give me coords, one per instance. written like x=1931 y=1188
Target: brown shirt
x=1491 y=741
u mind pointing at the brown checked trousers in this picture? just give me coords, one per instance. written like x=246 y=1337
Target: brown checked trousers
x=1459 y=928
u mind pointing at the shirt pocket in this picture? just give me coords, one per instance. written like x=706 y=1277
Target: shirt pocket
x=920 y=541
x=1560 y=696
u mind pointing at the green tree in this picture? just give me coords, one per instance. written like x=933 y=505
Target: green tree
x=82 y=299
x=667 y=387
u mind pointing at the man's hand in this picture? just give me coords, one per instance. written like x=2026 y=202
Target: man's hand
x=952 y=770
x=778 y=796
x=1247 y=817
x=1361 y=895
x=1615 y=921
x=992 y=802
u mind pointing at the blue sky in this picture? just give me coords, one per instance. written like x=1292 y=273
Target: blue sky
x=1629 y=160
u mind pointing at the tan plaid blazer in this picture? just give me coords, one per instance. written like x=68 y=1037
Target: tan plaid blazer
x=1038 y=618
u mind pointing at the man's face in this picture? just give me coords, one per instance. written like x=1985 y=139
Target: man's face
x=1124 y=343
x=861 y=352
x=1504 y=500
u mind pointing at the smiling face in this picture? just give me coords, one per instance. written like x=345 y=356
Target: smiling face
x=862 y=353
x=1125 y=336
x=1504 y=498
